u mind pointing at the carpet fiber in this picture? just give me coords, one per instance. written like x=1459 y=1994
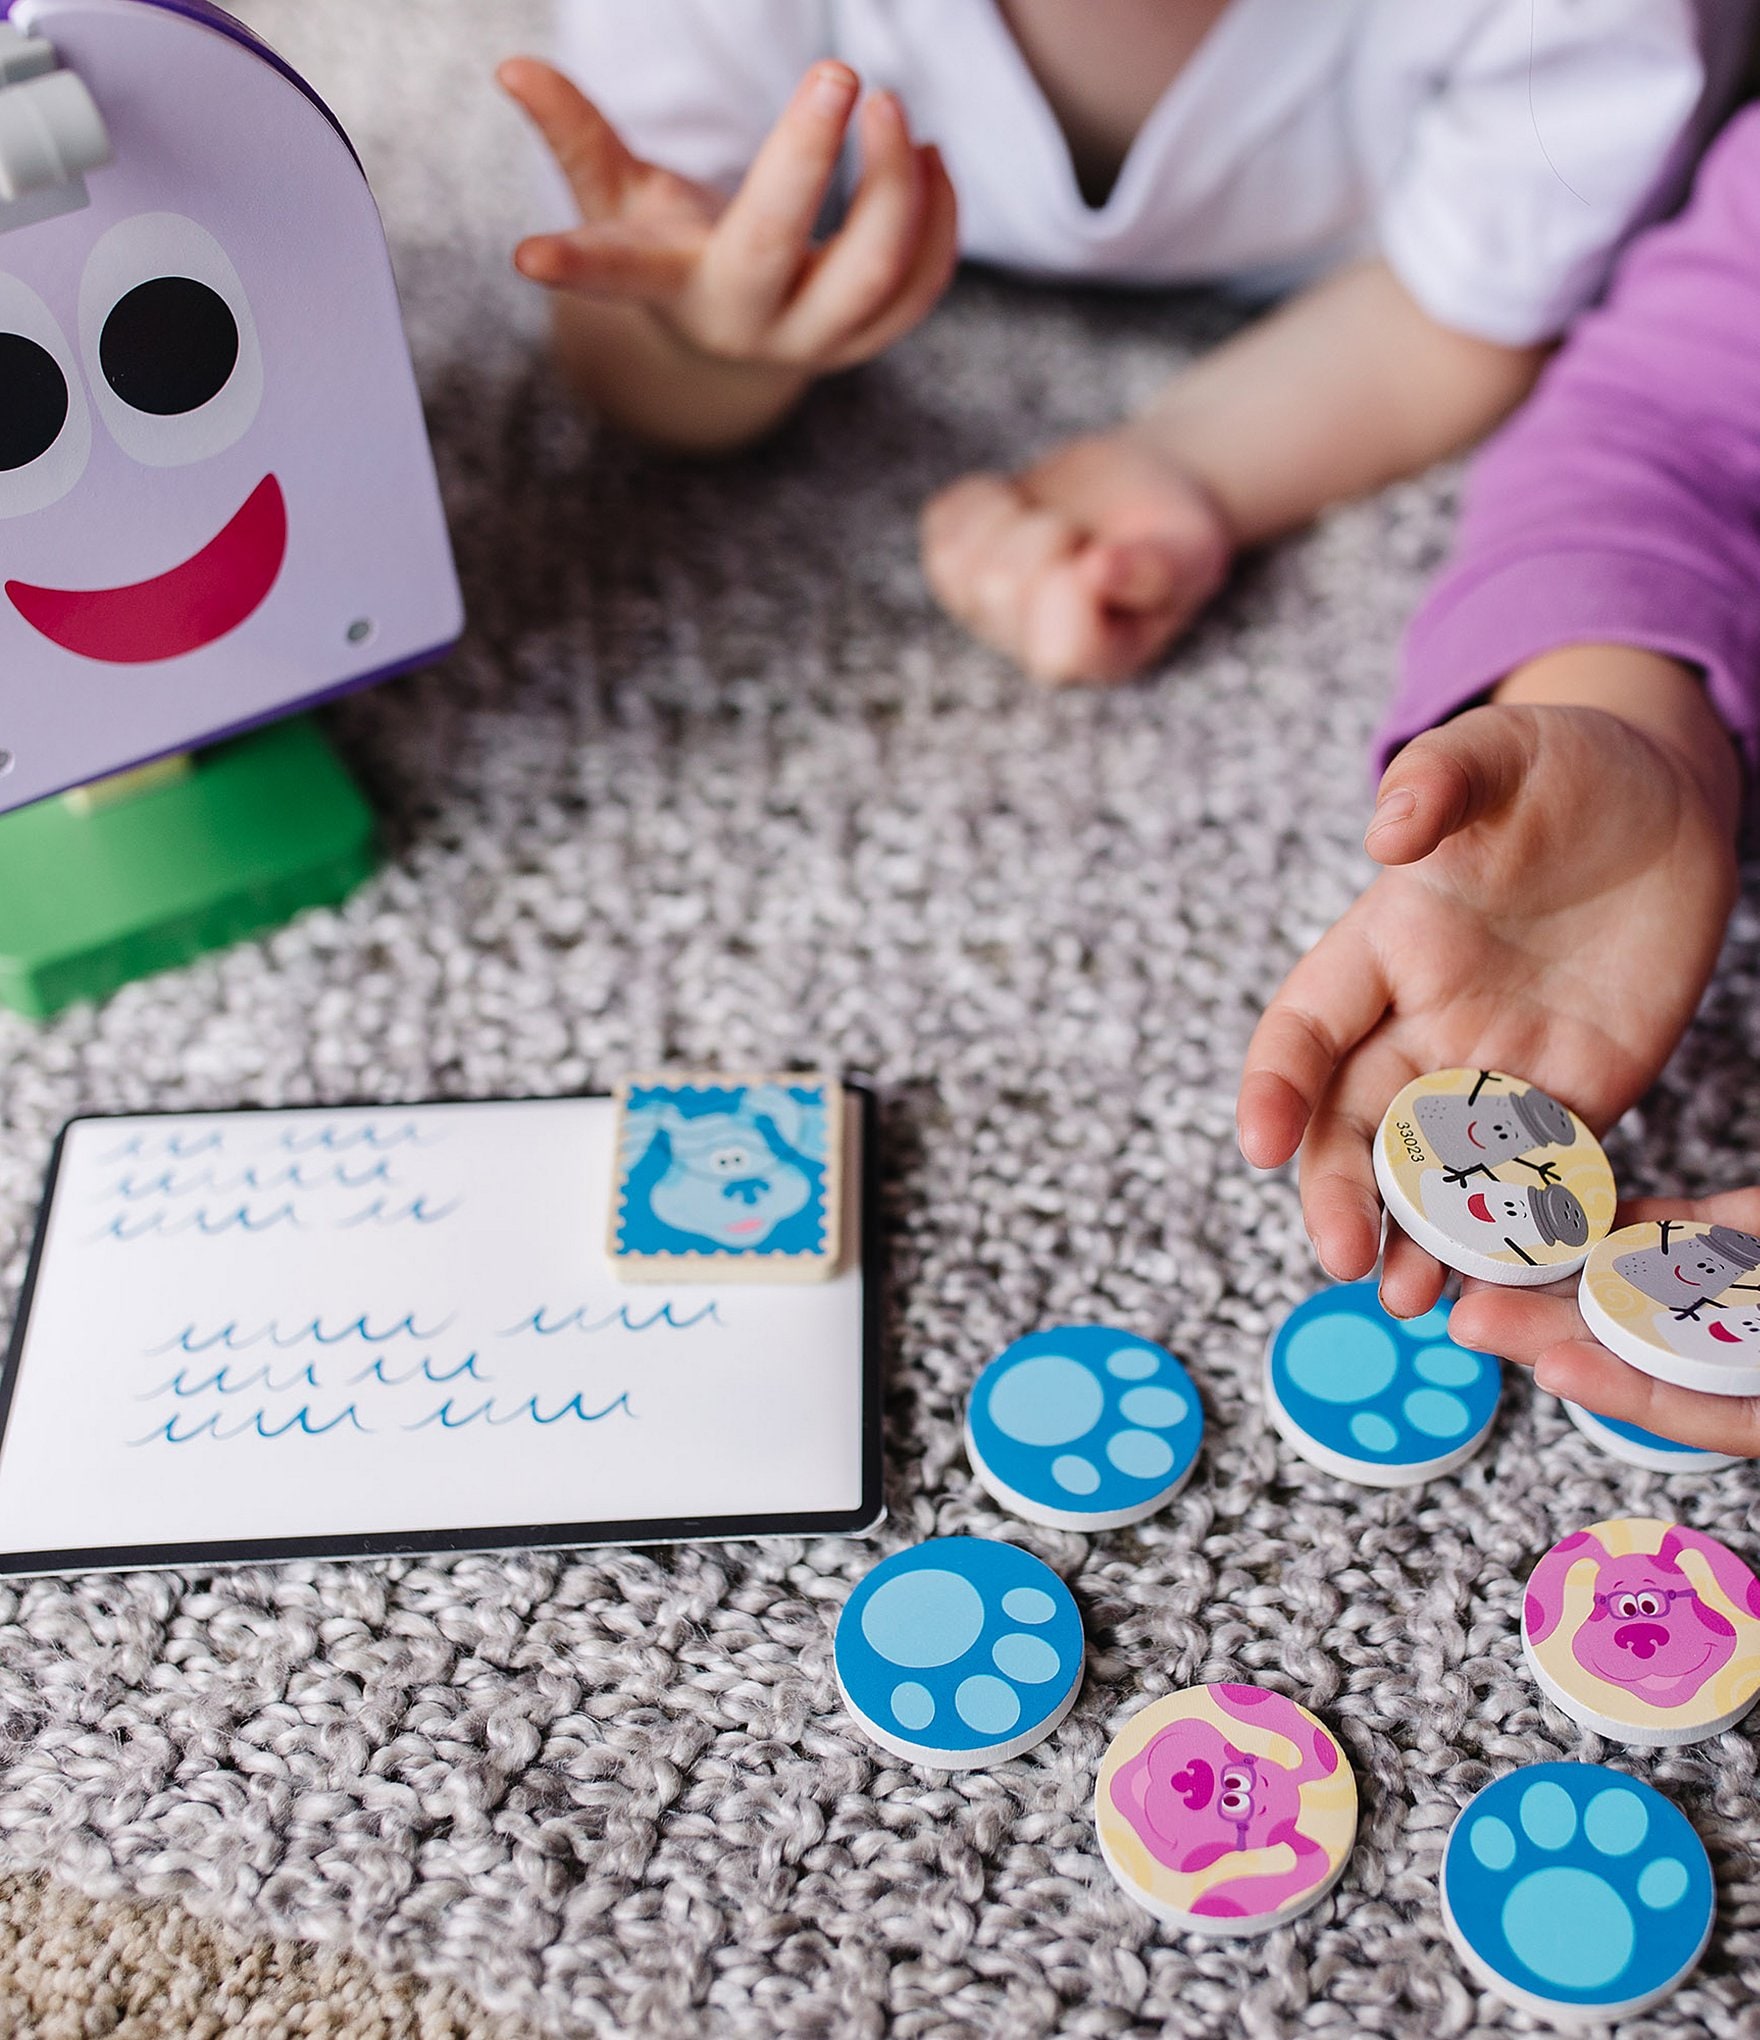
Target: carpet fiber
x=712 y=782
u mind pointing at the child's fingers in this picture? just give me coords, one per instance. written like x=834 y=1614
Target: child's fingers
x=607 y=263
x=1517 y=1324
x=1067 y=634
x=863 y=267
x=585 y=144
x=1412 y=1278
x=966 y=530
x=937 y=256
x=1583 y=1372
x=764 y=238
x=1333 y=997
x=1443 y=782
x=1341 y=1205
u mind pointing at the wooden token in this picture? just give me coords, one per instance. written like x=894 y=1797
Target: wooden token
x=1083 y=1428
x=728 y=1178
x=1576 y=1893
x=1387 y=1402
x=1648 y=1449
x=1225 y=1809
x=1493 y=1177
x=1680 y=1301
x=959 y=1652
x=1644 y=1631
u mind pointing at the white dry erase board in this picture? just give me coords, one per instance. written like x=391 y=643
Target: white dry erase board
x=331 y=1333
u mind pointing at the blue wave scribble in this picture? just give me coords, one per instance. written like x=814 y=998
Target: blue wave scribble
x=337 y=1140
x=292 y=1176
x=577 y=1321
x=228 y=1336
x=423 y=1372
x=182 y=1147
x=300 y=1421
x=203 y=1222
x=416 y=1211
x=182 y=1387
x=529 y=1409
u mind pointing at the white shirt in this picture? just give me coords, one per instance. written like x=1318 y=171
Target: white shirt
x=1494 y=151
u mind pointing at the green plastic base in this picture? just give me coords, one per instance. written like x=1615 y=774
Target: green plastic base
x=263 y=827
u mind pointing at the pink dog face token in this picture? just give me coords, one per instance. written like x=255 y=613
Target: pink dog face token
x=1493 y=1177
x=1679 y=1301
x=1646 y=1632
x=1225 y=1809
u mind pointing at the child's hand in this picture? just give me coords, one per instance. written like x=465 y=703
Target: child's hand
x=1085 y=566
x=1561 y=877
x=1544 y=1330
x=742 y=280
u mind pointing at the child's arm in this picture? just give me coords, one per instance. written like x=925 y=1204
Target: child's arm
x=1544 y=1330
x=697 y=322
x=1084 y=566
x=1561 y=862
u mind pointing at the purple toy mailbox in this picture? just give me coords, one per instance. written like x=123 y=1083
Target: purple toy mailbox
x=217 y=499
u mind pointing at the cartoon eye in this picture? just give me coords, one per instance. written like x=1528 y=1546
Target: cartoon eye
x=1234 y=1804
x=1651 y=1605
x=730 y=1161
x=169 y=347
x=1625 y=1606
x=169 y=340
x=45 y=426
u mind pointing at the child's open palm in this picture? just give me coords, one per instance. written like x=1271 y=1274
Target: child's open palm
x=743 y=279
x=1543 y=1329
x=1558 y=888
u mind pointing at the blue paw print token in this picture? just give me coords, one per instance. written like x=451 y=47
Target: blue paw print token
x=1083 y=1428
x=959 y=1652
x=1648 y=1449
x=1576 y=1893
x=1384 y=1401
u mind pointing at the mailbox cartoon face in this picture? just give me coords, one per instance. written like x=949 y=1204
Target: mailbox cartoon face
x=217 y=499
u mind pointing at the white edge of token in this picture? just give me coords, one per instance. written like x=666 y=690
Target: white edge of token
x=1634 y=1735
x=1557 y=2011
x=1707 y=1376
x=1068 y=1519
x=1370 y=1473
x=1246 y=1929
x=1410 y=1220
x=1651 y=1458
x=928 y=1759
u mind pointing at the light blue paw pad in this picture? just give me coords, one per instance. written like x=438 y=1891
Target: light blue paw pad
x=959 y=1652
x=1574 y=1888
x=1083 y=1427
x=1374 y=1397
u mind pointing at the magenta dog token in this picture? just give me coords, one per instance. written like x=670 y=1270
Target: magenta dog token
x=1646 y=1632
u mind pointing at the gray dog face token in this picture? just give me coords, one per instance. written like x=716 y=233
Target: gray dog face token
x=1680 y=1301
x=1493 y=1177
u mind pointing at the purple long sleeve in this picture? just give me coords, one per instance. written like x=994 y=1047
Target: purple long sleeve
x=1623 y=504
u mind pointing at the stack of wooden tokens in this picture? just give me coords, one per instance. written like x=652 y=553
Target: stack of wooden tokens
x=1572 y=1890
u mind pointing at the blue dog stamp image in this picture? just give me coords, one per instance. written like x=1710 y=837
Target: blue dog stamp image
x=959 y=1652
x=1083 y=1428
x=736 y=1177
x=1576 y=1893
x=1383 y=1401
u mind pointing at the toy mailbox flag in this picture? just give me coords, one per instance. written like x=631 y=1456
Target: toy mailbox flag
x=217 y=499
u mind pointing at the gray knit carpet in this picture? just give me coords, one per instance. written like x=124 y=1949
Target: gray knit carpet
x=711 y=781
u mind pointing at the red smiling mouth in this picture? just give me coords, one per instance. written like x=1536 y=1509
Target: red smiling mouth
x=1728 y=1337
x=181 y=611
x=1479 y=1208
